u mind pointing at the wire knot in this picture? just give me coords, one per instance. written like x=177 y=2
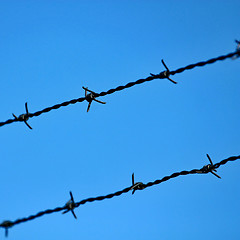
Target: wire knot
x=70 y=205
x=6 y=224
x=209 y=168
x=164 y=74
x=137 y=185
x=91 y=96
x=23 y=117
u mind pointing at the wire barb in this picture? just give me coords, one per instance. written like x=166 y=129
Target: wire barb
x=6 y=224
x=70 y=205
x=209 y=168
x=91 y=97
x=164 y=74
x=237 y=50
x=137 y=185
x=23 y=117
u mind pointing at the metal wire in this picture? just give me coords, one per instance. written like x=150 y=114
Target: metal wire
x=161 y=75
x=204 y=170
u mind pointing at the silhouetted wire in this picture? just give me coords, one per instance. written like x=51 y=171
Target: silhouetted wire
x=162 y=75
x=204 y=170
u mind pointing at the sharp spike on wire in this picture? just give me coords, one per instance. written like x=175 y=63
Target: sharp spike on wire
x=164 y=74
x=91 y=97
x=26 y=107
x=210 y=160
x=238 y=45
x=210 y=168
x=137 y=185
x=23 y=117
x=237 y=55
x=70 y=205
x=167 y=72
x=6 y=225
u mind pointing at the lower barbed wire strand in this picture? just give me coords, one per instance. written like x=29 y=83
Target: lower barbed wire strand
x=118 y=193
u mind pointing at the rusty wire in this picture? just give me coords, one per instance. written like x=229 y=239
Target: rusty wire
x=92 y=96
x=71 y=204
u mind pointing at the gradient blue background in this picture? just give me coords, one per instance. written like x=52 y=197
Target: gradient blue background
x=50 y=49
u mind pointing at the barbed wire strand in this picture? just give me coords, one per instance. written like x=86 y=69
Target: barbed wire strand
x=137 y=186
x=161 y=75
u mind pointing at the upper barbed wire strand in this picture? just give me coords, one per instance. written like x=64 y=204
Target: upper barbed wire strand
x=128 y=85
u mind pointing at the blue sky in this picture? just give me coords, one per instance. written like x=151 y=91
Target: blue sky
x=50 y=49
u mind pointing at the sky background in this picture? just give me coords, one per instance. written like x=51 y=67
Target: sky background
x=50 y=49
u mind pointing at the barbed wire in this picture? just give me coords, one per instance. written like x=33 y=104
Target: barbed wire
x=71 y=204
x=92 y=95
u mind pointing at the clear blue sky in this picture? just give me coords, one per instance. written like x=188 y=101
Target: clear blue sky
x=50 y=49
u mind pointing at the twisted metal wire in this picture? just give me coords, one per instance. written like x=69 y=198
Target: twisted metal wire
x=204 y=170
x=161 y=75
